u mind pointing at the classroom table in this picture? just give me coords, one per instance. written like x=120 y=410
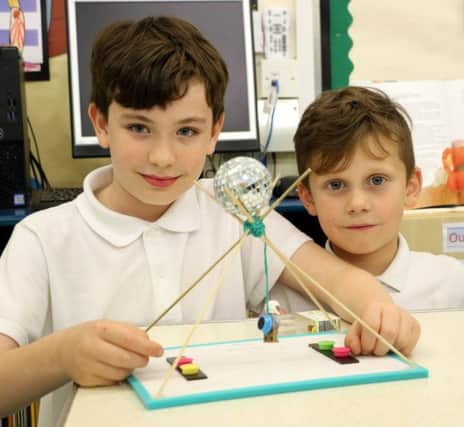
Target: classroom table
x=434 y=401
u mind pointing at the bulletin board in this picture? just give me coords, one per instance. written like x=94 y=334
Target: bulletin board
x=336 y=43
x=23 y=25
x=247 y=368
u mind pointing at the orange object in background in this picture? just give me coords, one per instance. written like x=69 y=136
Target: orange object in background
x=17 y=28
x=453 y=163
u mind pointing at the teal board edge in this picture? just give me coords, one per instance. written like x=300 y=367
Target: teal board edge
x=151 y=403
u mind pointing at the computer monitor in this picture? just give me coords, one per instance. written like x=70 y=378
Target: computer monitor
x=225 y=23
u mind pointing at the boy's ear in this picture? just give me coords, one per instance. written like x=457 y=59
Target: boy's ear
x=217 y=127
x=100 y=125
x=413 y=188
x=307 y=199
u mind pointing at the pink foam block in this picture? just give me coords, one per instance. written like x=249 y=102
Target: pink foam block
x=341 y=351
x=184 y=361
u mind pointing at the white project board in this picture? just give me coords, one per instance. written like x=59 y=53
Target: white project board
x=249 y=368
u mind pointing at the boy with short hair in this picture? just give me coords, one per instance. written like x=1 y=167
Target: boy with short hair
x=141 y=232
x=358 y=144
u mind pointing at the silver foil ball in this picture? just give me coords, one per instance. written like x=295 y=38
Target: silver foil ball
x=248 y=180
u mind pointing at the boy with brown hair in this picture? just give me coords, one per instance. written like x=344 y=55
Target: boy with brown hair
x=77 y=280
x=358 y=144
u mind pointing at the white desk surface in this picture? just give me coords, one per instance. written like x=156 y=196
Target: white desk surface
x=434 y=401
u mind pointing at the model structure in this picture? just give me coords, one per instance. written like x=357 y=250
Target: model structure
x=243 y=186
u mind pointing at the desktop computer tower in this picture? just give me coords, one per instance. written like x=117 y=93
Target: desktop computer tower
x=14 y=144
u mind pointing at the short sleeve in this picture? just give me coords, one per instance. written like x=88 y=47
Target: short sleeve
x=24 y=292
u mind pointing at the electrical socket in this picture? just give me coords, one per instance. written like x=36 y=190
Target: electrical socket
x=283 y=70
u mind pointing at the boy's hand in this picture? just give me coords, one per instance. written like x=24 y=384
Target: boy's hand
x=104 y=352
x=397 y=326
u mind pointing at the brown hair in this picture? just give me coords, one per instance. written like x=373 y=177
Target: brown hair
x=333 y=125
x=151 y=62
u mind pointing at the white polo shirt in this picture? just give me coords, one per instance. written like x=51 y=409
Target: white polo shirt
x=81 y=261
x=423 y=281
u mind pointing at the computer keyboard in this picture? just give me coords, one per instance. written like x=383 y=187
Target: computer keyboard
x=42 y=199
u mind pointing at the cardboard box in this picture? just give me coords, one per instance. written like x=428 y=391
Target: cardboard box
x=436 y=230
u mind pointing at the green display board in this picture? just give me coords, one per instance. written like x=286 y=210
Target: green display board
x=335 y=43
x=341 y=43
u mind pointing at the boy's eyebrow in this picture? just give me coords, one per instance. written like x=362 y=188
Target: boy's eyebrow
x=135 y=116
x=142 y=118
x=197 y=119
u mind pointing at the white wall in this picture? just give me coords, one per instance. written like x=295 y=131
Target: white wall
x=407 y=39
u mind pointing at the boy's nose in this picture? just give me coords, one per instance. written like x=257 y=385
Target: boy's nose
x=358 y=201
x=161 y=154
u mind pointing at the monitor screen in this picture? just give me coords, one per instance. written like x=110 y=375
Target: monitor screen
x=225 y=23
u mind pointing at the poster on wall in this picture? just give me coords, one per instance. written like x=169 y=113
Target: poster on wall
x=436 y=109
x=23 y=24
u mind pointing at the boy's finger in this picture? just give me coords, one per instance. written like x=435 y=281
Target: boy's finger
x=112 y=373
x=368 y=340
x=119 y=357
x=408 y=335
x=102 y=375
x=131 y=338
x=389 y=329
x=353 y=338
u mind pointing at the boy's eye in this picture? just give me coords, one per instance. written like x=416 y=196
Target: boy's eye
x=138 y=128
x=186 y=131
x=376 y=180
x=335 y=185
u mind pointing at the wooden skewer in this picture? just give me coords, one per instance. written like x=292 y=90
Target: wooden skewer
x=195 y=283
x=291 y=265
x=209 y=300
x=286 y=192
x=276 y=180
x=240 y=205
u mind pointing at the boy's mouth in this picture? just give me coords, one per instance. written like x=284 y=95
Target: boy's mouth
x=160 y=181
x=360 y=227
